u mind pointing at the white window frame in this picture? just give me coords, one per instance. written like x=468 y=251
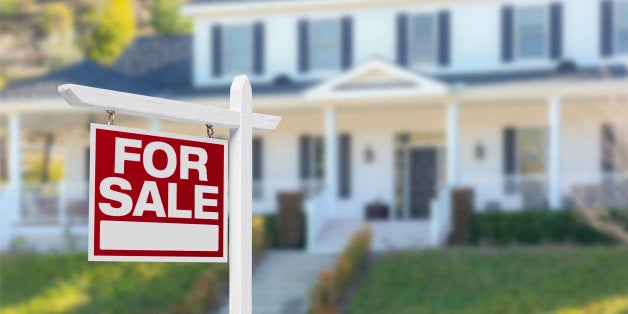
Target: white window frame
x=409 y=39
x=227 y=72
x=615 y=30
x=310 y=37
x=546 y=32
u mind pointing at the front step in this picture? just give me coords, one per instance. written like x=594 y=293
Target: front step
x=387 y=235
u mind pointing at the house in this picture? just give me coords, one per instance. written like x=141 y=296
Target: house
x=392 y=102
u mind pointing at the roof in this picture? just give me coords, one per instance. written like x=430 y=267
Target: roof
x=162 y=65
x=84 y=73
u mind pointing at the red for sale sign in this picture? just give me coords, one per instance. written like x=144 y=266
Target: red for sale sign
x=156 y=197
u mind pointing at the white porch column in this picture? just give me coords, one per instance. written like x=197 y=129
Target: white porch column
x=452 y=145
x=15 y=165
x=155 y=125
x=553 y=171
x=11 y=197
x=331 y=159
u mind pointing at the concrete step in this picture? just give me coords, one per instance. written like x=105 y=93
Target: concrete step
x=282 y=281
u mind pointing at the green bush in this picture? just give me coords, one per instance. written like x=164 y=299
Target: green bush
x=166 y=18
x=332 y=283
x=533 y=227
x=113 y=29
x=271 y=232
x=9 y=7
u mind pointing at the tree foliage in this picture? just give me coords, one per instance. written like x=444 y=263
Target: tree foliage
x=166 y=18
x=56 y=22
x=113 y=29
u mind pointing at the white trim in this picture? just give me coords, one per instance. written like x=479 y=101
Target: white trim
x=546 y=31
x=421 y=85
x=554 y=152
x=152 y=107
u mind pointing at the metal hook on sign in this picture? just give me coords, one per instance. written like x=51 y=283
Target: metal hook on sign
x=210 y=130
x=112 y=117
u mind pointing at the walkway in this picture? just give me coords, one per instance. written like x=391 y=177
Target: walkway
x=282 y=281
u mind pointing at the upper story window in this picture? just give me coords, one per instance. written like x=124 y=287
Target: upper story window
x=324 y=44
x=531 y=32
x=621 y=27
x=423 y=39
x=238 y=49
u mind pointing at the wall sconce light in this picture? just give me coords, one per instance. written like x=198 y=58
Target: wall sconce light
x=479 y=151
x=369 y=155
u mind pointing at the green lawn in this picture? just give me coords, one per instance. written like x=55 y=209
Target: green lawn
x=563 y=280
x=67 y=283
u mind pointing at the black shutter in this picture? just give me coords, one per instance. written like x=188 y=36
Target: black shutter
x=304 y=153
x=303 y=40
x=258 y=48
x=606 y=28
x=443 y=38
x=319 y=161
x=402 y=39
x=509 y=145
x=608 y=149
x=507 y=34
x=556 y=31
x=344 y=176
x=217 y=50
x=258 y=164
x=347 y=43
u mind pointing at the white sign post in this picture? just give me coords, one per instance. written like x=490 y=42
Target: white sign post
x=242 y=121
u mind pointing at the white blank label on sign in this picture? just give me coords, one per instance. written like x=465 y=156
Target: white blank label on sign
x=126 y=235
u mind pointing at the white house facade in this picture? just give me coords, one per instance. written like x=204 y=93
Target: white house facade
x=394 y=103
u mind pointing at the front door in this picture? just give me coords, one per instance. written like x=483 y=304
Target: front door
x=422 y=179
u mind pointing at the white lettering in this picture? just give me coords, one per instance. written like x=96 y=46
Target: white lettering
x=187 y=164
x=126 y=203
x=149 y=189
x=171 y=159
x=200 y=201
x=121 y=155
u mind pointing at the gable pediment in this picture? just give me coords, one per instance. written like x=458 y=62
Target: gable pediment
x=375 y=77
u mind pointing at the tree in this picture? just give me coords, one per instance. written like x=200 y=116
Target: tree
x=113 y=29
x=166 y=18
x=59 y=44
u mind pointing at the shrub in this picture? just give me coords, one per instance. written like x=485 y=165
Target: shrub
x=532 y=227
x=113 y=29
x=260 y=240
x=9 y=7
x=166 y=18
x=331 y=284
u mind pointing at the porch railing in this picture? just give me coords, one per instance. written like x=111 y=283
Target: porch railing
x=440 y=213
x=318 y=213
x=59 y=203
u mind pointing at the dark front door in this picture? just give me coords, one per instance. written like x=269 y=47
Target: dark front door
x=423 y=164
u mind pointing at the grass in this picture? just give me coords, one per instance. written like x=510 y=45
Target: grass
x=544 y=280
x=67 y=283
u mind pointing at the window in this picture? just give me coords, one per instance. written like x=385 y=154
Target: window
x=238 y=49
x=621 y=27
x=422 y=41
x=324 y=44
x=531 y=150
x=524 y=156
x=531 y=32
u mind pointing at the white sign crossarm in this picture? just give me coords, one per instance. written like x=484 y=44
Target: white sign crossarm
x=160 y=108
